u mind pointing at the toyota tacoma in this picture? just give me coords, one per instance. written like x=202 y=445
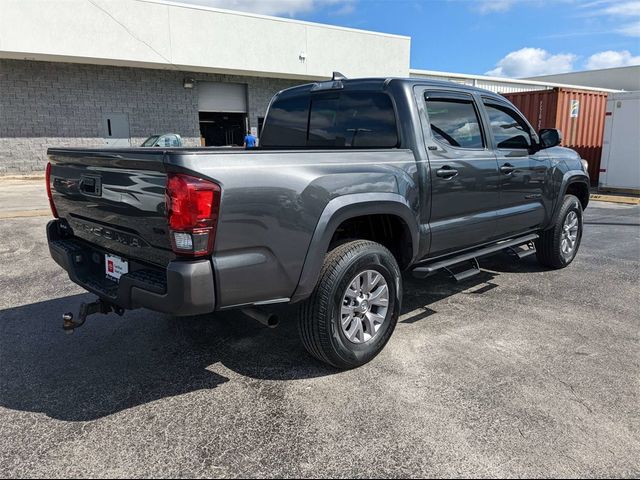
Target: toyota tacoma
x=354 y=182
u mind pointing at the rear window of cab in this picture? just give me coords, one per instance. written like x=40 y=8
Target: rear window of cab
x=332 y=120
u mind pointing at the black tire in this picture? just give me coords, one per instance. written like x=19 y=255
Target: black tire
x=549 y=245
x=320 y=319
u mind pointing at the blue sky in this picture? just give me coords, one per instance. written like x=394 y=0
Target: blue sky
x=514 y=38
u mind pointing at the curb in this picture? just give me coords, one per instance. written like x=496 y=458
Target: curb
x=615 y=199
x=25 y=213
x=36 y=176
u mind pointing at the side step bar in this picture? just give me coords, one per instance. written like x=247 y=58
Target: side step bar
x=422 y=271
x=459 y=275
x=522 y=252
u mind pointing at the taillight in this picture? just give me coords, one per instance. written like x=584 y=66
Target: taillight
x=48 y=179
x=192 y=209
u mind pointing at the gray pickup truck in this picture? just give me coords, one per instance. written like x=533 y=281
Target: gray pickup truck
x=354 y=182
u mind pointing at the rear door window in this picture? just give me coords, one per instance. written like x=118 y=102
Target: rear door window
x=454 y=121
x=366 y=120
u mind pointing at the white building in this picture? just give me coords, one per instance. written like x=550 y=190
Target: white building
x=80 y=72
x=113 y=72
x=621 y=78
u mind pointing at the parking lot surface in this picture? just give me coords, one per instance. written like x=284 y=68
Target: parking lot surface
x=519 y=371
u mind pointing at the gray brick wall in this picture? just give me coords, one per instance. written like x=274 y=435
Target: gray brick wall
x=45 y=104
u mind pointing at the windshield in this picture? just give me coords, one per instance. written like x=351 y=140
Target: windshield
x=149 y=142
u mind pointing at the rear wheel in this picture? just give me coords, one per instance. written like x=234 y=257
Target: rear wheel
x=558 y=246
x=354 y=308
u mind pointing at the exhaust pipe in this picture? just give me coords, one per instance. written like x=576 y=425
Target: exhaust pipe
x=267 y=319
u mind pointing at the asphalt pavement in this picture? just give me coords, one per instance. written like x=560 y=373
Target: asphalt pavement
x=517 y=372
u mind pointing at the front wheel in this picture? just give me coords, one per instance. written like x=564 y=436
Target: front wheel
x=558 y=246
x=354 y=308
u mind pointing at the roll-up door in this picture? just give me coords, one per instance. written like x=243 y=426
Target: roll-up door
x=222 y=97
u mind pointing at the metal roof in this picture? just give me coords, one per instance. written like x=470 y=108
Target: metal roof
x=484 y=81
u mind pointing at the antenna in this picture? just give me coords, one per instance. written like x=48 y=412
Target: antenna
x=338 y=76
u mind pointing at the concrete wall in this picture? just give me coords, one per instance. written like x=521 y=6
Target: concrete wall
x=45 y=104
x=159 y=34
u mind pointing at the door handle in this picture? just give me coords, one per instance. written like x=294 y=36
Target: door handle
x=507 y=168
x=447 y=172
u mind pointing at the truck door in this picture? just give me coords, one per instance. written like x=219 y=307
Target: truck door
x=525 y=202
x=463 y=173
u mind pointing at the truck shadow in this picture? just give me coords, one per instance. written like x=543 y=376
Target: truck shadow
x=116 y=363
x=420 y=293
x=505 y=263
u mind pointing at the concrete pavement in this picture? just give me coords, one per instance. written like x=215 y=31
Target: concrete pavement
x=518 y=372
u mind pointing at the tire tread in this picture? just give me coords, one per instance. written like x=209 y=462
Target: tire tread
x=314 y=312
x=548 y=241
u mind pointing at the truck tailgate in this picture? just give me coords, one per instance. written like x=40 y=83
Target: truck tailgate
x=114 y=199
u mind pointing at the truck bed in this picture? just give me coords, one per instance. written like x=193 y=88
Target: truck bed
x=272 y=202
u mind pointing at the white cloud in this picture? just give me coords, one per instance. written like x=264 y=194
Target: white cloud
x=346 y=9
x=289 y=8
x=611 y=59
x=612 y=8
x=492 y=6
x=622 y=13
x=626 y=9
x=630 y=29
x=529 y=62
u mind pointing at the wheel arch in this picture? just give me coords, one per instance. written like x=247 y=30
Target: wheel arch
x=579 y=189
x=574 y=182
x=341 y=210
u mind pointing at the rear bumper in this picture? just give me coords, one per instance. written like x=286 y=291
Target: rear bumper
x=183 y=288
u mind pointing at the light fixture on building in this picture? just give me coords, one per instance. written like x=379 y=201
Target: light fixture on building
x=303 y=56
x=188 y=83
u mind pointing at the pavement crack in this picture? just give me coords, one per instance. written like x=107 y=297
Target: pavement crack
x=576 y=397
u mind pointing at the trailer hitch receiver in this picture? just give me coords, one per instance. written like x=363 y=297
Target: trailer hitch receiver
x=69 y=324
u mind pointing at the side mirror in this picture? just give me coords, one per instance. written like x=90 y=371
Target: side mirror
x=550 y=137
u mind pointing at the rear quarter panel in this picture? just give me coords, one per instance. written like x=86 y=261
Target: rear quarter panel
x=272 y=202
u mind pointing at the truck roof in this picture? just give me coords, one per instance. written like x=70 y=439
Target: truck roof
x=380 y=83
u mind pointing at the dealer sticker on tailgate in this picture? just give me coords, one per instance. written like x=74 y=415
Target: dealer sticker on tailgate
x=115 y=267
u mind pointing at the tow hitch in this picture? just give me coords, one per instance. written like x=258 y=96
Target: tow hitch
x=86 y=309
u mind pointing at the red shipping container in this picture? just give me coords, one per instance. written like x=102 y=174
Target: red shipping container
x=578 y=114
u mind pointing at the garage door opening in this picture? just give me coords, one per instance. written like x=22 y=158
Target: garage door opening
x=222 y=129
x=223 y=113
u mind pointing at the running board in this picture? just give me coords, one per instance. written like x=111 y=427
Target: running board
x=422 y=271
x=459 y=275
x=523 y=251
